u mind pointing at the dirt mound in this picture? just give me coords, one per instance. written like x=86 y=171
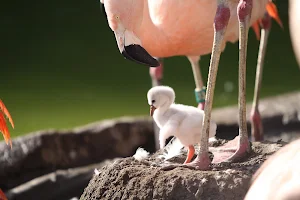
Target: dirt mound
x=131 y=179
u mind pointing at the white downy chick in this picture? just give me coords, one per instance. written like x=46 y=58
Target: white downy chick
x=181 y=121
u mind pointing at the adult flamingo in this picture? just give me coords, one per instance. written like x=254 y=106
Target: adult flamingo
x=164 y=30
x=294 y=19
x=278 y=177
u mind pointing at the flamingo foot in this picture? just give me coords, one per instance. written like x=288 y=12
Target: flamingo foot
x=241 y=152
x=201 y=162
x=233 y=151
x=256 y=126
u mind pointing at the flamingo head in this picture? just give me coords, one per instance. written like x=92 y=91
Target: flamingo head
x=124 y=17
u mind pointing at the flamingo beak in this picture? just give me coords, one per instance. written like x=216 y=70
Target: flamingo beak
x=138 y=54
x=152 y=109
x=130 y=48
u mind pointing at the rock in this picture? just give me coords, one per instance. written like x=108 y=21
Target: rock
x=131 y=179
x=37 y=154
x=63 y=184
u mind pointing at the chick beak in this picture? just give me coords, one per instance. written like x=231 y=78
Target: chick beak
x=152 y=108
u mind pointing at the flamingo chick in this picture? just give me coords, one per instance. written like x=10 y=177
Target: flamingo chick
x=181 y=121
x=3 y=127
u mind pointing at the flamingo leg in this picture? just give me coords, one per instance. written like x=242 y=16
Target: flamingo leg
x=256 y=124
x=244 y=14
x=156 y=74
x=200 y=89
x=190 y=154
x=202 y=161
x=244 y=9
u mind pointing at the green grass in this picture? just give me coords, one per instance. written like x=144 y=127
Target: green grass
x=61 y=67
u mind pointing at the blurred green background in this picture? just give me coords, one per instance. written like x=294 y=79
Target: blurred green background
x=60 y=67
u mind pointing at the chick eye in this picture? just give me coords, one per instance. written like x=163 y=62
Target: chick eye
x=153 y=101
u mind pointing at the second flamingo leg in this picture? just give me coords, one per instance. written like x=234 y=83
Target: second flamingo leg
x=256 y=124
x=200 y=89
x=156 y=74
x=244 y=14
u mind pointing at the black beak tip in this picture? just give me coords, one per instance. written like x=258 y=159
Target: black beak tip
x=138 y=54
x=155 y=63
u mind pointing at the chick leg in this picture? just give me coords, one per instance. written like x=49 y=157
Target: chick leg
x=190 y=154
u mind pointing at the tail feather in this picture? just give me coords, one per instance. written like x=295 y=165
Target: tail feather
x=2 y=195
x=256 y=29
x=3 y=126
x=6 y=113
x=273 y=12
